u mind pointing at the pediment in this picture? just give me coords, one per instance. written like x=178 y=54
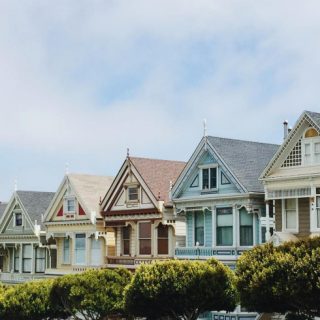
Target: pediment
x=205 y=174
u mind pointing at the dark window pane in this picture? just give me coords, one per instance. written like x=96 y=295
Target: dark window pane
x=126 y=233
x=224 y=236
x=213 y=178
x=162 y=246
x=126 y=246
x=246 y=236
x=145 y=246
x=145 y=230
x=18 y=219
x=133 y=193
x=205 y=178
x=162 y=231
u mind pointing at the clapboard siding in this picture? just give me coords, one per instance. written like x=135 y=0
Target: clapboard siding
x=278 y=215
x=304 y=217
x=208 y=229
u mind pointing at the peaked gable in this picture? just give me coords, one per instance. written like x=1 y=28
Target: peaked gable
x=78 y=197
x=149 y=181
x=289 y=154
x=23 y=214
x=239 y=165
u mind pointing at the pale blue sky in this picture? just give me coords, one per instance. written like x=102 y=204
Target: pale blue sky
x=83 y=80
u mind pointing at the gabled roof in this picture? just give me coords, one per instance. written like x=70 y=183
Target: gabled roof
x=3 y=206
x=90 y=189
x=245 y=159
x=158 y=174
x=35 y=203
x=311 y=117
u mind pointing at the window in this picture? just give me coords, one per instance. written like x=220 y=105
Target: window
x=199 y=228
x=163 y=239
x=133 y=193
x=311 y=147
x=291 y=214
x=71 y=205
x=16 y=260
x=80 y=249
x=246 y=228
x=66 y=250
x=26 y=257
x=18 y=219
x=209 y=178
x=126 y=240
x=224 y=227
x=145 y=237
x=40 y=259
x=95 y=252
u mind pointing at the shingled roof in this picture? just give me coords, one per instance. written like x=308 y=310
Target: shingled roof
x=35 y=203
x=245 y=159
x=90 y=188
x=158 y=174
x=315 y=116
x=3 y=206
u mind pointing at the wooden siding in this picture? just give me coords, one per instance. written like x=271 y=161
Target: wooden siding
x=189 y=217
x=208 y=229
x=304 y=218
x=278 y=215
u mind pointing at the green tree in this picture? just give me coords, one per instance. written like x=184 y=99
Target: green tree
x=30 y=300
x=92 y=295
x=180 y=289
x=284 y=279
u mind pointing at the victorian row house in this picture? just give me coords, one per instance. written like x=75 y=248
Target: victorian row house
x=138 y=209
x=292 y=181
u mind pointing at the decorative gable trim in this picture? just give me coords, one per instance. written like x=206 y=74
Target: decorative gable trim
x=289 y=139
x=204 y=146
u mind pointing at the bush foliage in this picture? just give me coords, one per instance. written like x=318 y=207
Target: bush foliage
x=180 y=289
x=284 y=279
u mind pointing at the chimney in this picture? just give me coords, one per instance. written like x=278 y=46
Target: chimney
x=285 y=129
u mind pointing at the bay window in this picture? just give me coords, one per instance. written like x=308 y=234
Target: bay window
x=246 y=228
x=224 y=226
x=66 y=250
x=291 y=214
x=95 y=252
x=40 y=259
x=16 y=260
x=126 y=240
x=80 y=249
x=163 y=239
x=145 y=237
x=199 y=228
x=26 y=257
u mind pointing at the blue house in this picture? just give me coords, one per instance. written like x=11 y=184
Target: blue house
x=220 y=198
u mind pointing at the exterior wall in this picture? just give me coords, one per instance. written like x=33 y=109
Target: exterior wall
x=278 y=215
x=304 y=217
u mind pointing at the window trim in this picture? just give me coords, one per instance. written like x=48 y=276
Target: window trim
x=284 y=217
x=151 y=248
x=252 y=226
x=209 y=166
x=66 y=207
x=162 y=238
x=123 y=239
x=75 y=249
x=232 y=226
x=66 y=261
x=194 y=228
x=15 y=218
x=312 y=141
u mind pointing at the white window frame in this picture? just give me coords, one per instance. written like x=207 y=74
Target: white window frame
x=312 y=141
x=68 y=260
x=284 y=217
x=210 y=166
x=138 y=193
x=66 y=207
x=82 y=263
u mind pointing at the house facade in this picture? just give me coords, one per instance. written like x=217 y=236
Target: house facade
x=22 y=237
x=292 y=180
x=138 y=209
x=75 y=231
x=219 y=196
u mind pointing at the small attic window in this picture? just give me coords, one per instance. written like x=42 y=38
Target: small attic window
x=311 y=147
x=18 y=219
x=133 y=193
x=69 y=205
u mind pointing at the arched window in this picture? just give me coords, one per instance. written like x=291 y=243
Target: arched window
x=163 y=239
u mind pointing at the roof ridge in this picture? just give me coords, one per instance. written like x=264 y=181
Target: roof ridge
x=250 y=141
x=154 y=159
x=34 y=191
x=88 y=175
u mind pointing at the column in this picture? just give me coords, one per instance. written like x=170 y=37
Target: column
x=267 y=222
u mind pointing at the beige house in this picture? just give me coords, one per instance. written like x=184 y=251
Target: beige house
x=292 y=181
x=138 y=209
x=75 y=229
